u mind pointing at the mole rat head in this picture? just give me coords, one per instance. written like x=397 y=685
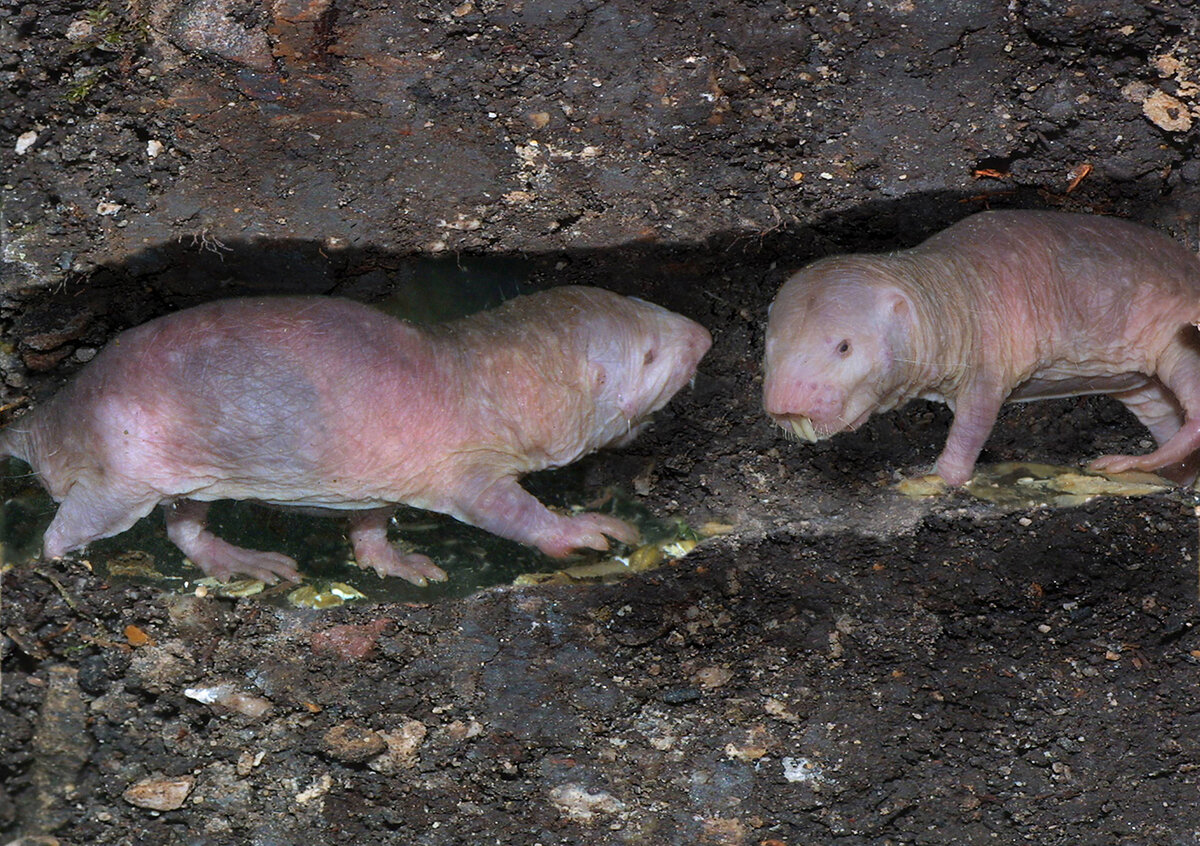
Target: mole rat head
x=641 y=355
x=835 y=332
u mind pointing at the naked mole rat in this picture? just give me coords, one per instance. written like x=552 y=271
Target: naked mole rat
x=327 y=403
x=1002 y=306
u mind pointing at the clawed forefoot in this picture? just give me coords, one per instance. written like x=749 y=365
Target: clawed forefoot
x=587 y=531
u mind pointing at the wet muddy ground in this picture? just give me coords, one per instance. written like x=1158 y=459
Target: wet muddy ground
x=848 y=665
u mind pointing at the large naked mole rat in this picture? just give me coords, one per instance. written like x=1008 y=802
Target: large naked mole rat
x=1004 y=305
x=327 y=403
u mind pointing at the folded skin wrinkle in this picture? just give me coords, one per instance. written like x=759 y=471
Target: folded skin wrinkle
x=317 y=402
x=1002 y=306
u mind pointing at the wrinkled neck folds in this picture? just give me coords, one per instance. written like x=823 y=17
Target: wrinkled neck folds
x=945 y=334
x=523 y=388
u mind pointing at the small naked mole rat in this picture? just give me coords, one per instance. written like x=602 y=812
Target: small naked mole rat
x=316 y=402
x=1002 y=306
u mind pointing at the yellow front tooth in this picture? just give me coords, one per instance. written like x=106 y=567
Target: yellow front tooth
x=803 y=428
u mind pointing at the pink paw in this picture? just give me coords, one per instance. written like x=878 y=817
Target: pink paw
x=586 y=531
x=1181 y=472
x=224 y=561
x=953 y=476
x=1121 y=463
x=386 y=560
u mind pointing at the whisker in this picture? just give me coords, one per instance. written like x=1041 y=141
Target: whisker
x=29 y=475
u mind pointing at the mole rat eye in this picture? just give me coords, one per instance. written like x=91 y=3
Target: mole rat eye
x=650 y=356
x=844 y=348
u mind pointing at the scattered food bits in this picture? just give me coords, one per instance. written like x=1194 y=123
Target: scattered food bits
x=1077 y=175
x=330 y=596
x=232 y=589
x=922 y=486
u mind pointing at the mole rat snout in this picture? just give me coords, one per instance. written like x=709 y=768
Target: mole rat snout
x=685 y=340
x=805 y=408
x=667 y=353
x=695 y=344
x=694 y=341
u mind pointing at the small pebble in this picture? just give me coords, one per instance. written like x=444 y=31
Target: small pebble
x=580 y=803
x=159 y=794
x=403 y=744
x=80 y=30
x=353 y=743
x=681 y=696
x=711 y=677
x=1166 y=112
x=228 y=697
x=24 y=141
x=247 y=761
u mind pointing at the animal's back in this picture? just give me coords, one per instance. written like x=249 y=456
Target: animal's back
x=1057 y=291
x=250 y=397
x=1081 y=254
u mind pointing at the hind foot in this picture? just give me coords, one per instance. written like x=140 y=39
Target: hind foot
x=368 y=534
x=217 y=558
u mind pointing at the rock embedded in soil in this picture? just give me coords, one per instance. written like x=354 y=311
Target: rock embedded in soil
x=353 y=743
x=160 y=794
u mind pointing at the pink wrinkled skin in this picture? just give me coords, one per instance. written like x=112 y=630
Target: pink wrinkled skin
x=1002 y=306
x=324 y=403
